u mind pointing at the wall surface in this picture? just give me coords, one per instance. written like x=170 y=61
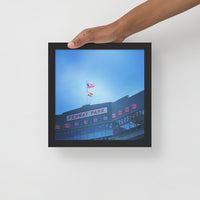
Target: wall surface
x=31 y=170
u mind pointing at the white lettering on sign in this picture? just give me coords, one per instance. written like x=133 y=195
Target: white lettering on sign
x=89 y=113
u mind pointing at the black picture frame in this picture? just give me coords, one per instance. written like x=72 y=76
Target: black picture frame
x=145 y=142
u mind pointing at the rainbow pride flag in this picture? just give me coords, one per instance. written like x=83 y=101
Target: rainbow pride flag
x=90 y=94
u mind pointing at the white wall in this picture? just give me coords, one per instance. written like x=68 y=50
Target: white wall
x=31 y=170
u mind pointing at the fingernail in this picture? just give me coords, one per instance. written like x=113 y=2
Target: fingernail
x=71 y=44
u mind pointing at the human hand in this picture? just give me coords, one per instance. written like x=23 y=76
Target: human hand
x=100 y=34
x=138 y=19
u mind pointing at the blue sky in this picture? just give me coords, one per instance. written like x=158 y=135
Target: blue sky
x=115 y=73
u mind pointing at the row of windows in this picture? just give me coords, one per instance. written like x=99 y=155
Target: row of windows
x=100 y=134
x=126 y=110
x=130 y=118
x=96 y=132
x=87 y=121
x=129 y=125
x=91 y=129
x=104 y=118
x=126 y=127
x=102 y=127
x=89 y=136
x=83 y=122
x=104 y=134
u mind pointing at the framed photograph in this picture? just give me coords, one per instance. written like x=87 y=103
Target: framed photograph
x=100 y=95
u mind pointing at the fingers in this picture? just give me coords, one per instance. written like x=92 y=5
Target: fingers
x=100 y=34
x=119 y=40
x=82 y=38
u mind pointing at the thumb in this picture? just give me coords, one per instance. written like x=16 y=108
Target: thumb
x=82 y=38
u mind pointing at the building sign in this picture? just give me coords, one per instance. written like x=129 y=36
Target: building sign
x=58 y=127
x=114 y=115
x=134 y=106
x=67 y=125
x=89 y=113
x=127 y=109
x=120 y=112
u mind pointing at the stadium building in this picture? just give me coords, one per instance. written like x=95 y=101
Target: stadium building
x=119 y=120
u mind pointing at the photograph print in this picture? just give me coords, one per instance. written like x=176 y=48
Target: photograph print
x=99 y=94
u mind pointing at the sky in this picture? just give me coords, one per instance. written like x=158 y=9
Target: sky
x=116 y=73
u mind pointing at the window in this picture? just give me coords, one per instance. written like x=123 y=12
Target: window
x=67 y=125
x=58 y=127
x=109 y=132
x=131 y=125
x=88 y=129
x=76 y=137
x=123 y=126
x=85 y=121
x=105 y=118
x=106 y=126
x=91 y=136
x=78 y=131
x=69 y=132
x=95 y=120
x=76 y=123
x=84 y=130
x=83 y=137
x=92 y=129
x=127 y=126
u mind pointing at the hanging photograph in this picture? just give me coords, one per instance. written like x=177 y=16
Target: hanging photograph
x=100 y=95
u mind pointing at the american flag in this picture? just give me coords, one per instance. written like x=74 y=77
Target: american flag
x=90 y=85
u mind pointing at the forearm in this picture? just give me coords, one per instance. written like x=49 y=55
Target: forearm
x=139 y=18
x=150 y=13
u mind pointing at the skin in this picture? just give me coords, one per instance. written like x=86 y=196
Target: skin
x=145 y=15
